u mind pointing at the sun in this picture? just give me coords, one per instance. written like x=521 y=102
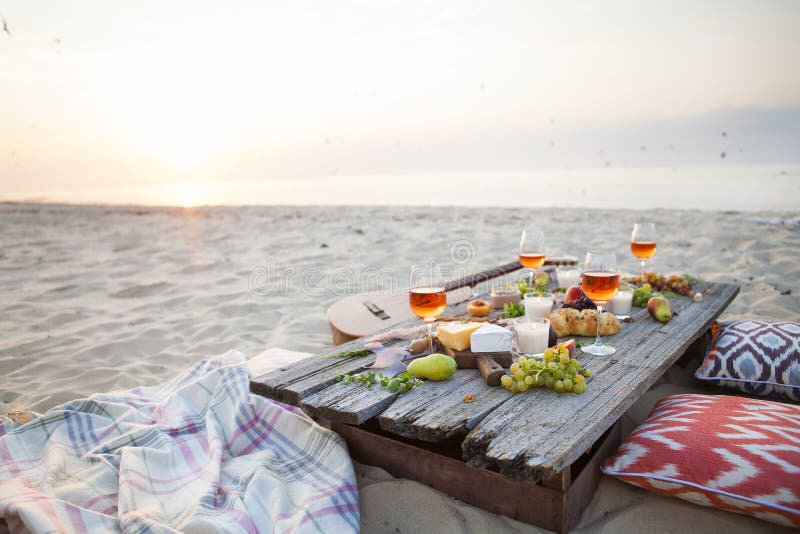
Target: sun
x=187 y=195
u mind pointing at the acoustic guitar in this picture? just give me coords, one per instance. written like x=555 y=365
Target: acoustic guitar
x=366 y=313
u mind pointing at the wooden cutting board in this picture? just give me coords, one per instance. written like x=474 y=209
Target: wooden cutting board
x=463 y=358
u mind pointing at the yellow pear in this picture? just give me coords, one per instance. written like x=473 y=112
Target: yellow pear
x=433 y=367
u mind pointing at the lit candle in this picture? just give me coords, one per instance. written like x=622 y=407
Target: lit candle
x=537 y=305
x=620 y=304
x=568 y=278
x=533 y=336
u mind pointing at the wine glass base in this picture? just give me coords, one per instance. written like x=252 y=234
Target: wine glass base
x=599 y=349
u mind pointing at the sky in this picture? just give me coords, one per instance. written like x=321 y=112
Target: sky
x=100 y=99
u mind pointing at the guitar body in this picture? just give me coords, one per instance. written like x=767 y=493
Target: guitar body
x=355 y=316
x=350 y=318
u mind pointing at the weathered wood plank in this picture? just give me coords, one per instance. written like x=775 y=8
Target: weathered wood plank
x=539 y=434
x=438 y=410
x=348 y=403
x=315 y=368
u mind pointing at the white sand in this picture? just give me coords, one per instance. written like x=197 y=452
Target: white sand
x=98 y=298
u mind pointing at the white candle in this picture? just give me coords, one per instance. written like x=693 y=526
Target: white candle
x=568 y=278
x=533 y=336
x=537 y=305
x=620 y=304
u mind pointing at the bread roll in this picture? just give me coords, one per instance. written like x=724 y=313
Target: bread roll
x=587 y=325
x=609 y=324
x=571 y=322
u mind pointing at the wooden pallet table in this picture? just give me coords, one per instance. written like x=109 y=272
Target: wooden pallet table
x=533 y=456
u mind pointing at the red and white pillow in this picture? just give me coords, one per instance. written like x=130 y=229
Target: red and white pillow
x=730 y=453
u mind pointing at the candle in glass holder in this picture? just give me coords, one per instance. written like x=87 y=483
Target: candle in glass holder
x=537 y=305
x=568 y=278
x=620 y=304
x=533 y=336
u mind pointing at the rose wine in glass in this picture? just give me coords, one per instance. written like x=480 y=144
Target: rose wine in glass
x=600 y=282
x=531 y=251
x=426 y=296
x=643 y=241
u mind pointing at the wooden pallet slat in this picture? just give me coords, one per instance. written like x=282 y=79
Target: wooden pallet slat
x=444 y=413
x=348 y=403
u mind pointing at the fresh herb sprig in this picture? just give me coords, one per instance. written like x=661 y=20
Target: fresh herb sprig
x=402 y=383
x=513 y=309
x=348 y=354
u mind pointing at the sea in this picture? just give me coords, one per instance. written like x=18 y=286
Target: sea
x=731 y=188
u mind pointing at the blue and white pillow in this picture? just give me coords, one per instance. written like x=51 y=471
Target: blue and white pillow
x=755 y=357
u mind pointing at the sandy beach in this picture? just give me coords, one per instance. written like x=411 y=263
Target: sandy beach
x=102 y=298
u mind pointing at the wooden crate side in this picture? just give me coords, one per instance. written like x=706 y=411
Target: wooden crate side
x=556 y=504
x=581 y=492
x=491 y=491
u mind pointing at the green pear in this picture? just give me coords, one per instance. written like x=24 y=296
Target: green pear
x=433 y=367
x=660 y=309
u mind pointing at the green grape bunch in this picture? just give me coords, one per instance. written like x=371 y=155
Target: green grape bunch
x=555 y=371
x=641 y=295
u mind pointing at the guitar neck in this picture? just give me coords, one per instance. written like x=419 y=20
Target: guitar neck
x=474 y=279
x=482 y=276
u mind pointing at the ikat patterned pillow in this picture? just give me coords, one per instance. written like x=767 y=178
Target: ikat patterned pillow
x=731 y=453
x=755 y=357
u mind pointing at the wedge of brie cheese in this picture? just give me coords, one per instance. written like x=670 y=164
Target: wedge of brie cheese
x=490 y=338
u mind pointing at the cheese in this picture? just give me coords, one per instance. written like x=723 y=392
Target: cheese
x=490 y=338
x=456 y=335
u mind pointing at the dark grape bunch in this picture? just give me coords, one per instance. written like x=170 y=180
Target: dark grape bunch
x=583 y=303
x=658 y=282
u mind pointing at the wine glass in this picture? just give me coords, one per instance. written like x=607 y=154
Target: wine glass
x=600 y=282
x=643 y=241
x=531 y=251
x=426 y=295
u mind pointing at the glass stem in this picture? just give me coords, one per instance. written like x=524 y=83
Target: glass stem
x=597 y=338
x=642 y=266
x=429 y=323
x=530 y=285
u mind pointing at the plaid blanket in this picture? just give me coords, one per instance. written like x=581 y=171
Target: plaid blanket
x=199 y=453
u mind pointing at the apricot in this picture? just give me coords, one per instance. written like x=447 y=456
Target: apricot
x=479 y=308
